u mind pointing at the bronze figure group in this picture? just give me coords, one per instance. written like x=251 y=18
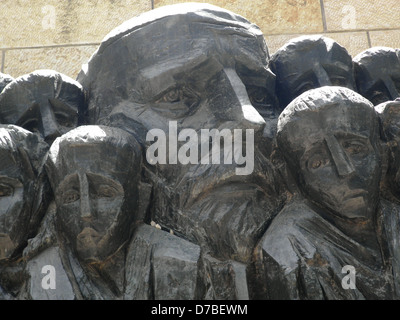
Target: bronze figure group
x=79 y=196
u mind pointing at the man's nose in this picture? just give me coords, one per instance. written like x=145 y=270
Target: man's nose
x=341 y=161
x=322 y=76
x=85 y=209
x=49 y=122
x=230 y=102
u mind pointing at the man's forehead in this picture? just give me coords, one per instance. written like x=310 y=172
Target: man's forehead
x=158 y=42
x=94 y=156
x=175 y=64
x=380 y=60
x=298 y=64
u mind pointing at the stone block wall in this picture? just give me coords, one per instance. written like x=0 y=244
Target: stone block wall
x=62 y=35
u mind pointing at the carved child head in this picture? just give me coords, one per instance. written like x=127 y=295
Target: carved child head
x=43 y=101
x=23 y=192
x=94 y=172
x=378 y=74
x=389 y=113
x=329 y=137
x=310 y=62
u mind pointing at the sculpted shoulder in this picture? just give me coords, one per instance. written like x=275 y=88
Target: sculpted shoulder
x=287 y=237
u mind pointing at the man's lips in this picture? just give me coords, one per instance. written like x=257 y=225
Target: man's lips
x=88 y=237
x=352 y=194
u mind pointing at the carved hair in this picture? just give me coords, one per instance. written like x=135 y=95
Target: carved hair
x=25 y=144
x=114 y=138
x=318 y=99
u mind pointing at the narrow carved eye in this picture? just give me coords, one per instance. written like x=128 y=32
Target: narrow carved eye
x=65 y=120
x=258 y=95
x=316 y=164
x=338 y=81
x=174 y=95
x=177 y=102
x=317 y=161
x=355 y=147
x=70 y=196
x=304 y=87
x=105 y=191
x=31 y=125
x=6 y=191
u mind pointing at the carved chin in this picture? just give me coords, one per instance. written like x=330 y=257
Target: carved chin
x=6 y=246
x=353 y=207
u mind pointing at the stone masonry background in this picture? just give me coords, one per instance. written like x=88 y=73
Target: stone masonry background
x=62 y=35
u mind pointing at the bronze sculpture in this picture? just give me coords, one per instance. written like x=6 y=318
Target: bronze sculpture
x=43 y=101
x=309 y=62
x=377 y=73
x=184 y=185
x=330 y=138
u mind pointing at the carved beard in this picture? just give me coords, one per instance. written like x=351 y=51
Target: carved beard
x=87 y=244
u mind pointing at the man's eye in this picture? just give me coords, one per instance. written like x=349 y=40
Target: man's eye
x=65 y=120
x=258 y=95
x=31 y=125
x=304 y=87
x=70 y=196
x=105 y=191
x=6 y=191
x=338 y=81
x=317 y=162
x=355 y=147
x=174 y=95
x=183 y=96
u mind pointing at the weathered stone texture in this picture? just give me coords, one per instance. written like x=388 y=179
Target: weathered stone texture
x=50 y=22
x=66 y=60
x=162 y=266
x=385 y=38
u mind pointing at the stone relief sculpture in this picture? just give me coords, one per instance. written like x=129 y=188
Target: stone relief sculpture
x=389 y=117
x=330 y=137
x=186 y=163
x=45 y=101
x=215 y=67
x=309 y=62
x=24 y=197
x=94 y=174
x=378 y=74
